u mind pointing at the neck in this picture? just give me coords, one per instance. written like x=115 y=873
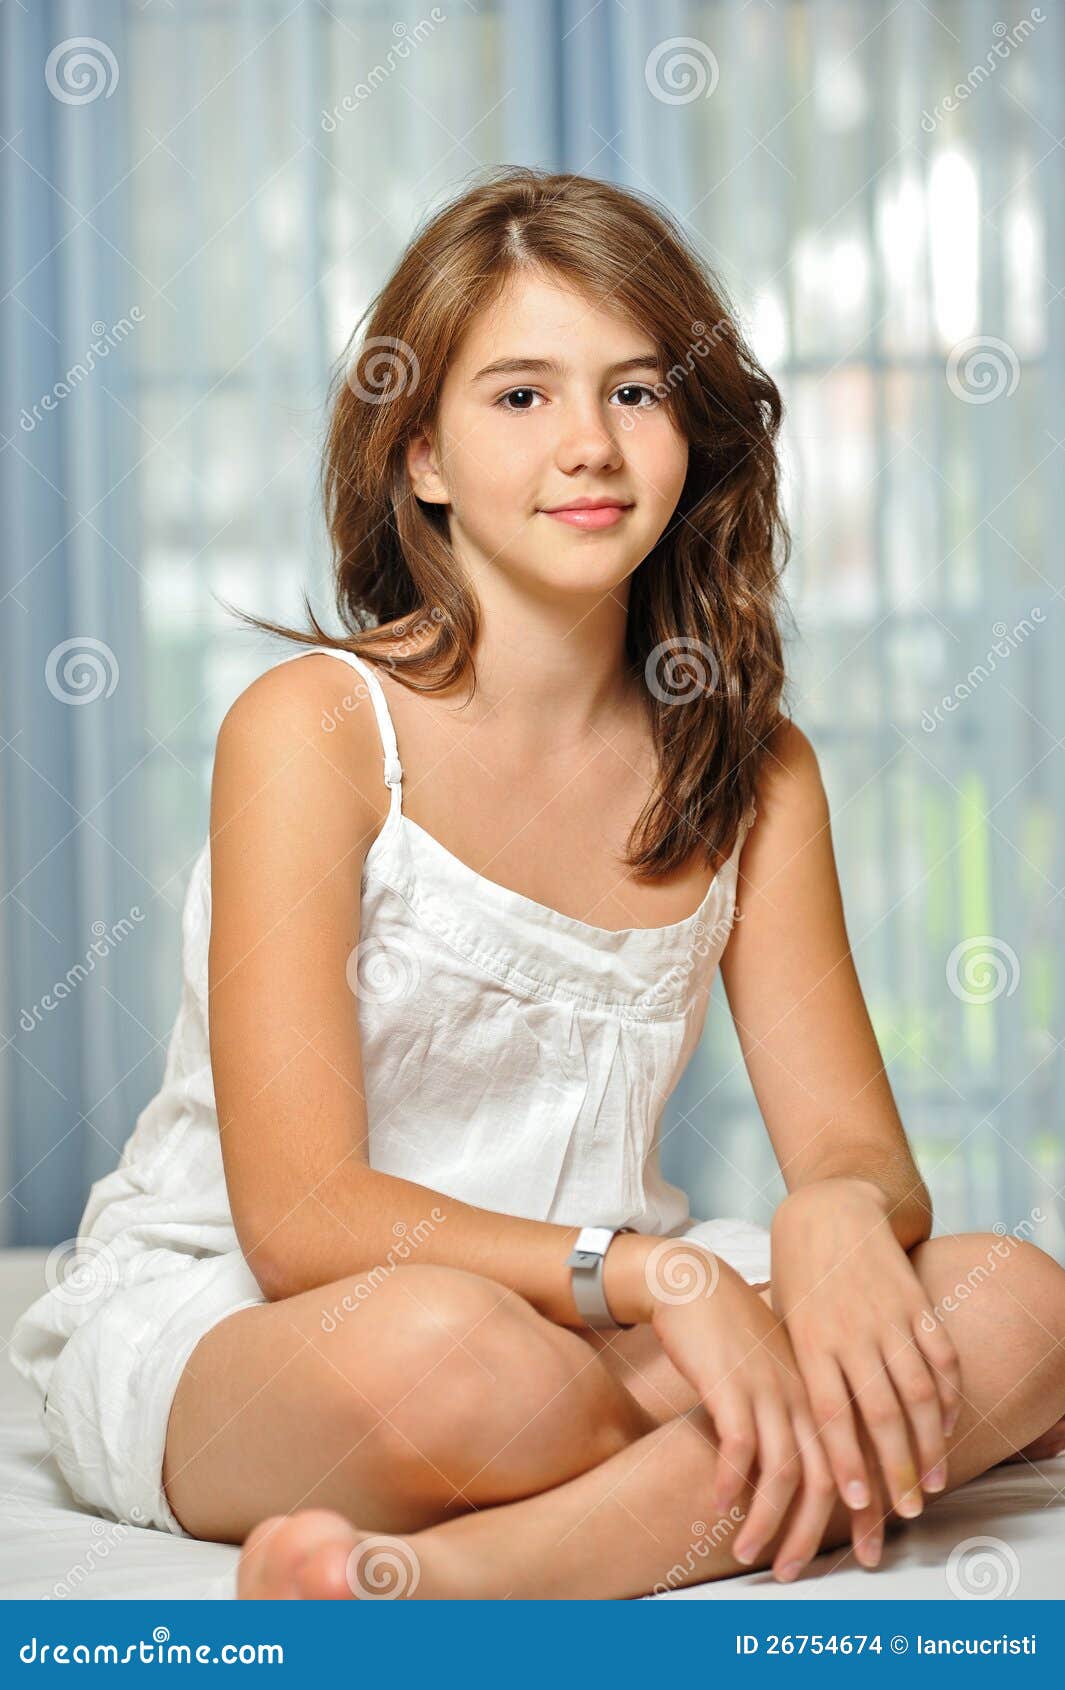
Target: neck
x=554 y=661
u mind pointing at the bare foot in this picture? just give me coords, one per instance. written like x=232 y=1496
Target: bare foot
x=317 y=1555
x=1043 y=1448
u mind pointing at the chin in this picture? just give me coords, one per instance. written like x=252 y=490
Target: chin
x=584 y=577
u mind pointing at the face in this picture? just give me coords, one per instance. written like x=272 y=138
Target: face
x=572 y=417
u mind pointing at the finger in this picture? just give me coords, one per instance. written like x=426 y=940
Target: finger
x=733 y=1419
x=836 y=1426
x=882 y=1414
x=813 y=1505
x=867 y=1524
x=867 y=1527
x=780 y=1472
x=916 y=1391
x=937 y=1346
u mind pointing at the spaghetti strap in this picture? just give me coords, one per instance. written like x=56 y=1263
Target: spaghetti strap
x=393 y=768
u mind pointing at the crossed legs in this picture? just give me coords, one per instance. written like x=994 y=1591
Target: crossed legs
x=500 y=1455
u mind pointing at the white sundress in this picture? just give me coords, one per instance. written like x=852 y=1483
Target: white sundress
x=514 y=1058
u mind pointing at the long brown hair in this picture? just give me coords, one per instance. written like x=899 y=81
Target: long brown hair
x=704 y=604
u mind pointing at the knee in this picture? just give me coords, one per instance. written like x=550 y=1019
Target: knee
x=455 y=1363
x=413 y=1330
x=999 y=1280
x=491 y=1370
x=1035 y=1282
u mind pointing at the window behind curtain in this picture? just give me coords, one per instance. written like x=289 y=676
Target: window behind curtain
x=265 y=164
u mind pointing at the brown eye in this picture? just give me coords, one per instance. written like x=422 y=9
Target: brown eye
x=638 y=389
x=501 y=401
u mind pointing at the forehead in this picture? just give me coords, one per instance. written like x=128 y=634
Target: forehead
x=546 y=317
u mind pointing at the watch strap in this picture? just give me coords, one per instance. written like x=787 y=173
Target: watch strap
x=586 y=1277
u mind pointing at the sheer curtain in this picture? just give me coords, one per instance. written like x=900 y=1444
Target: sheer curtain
x=881 y=188
x=199 y=202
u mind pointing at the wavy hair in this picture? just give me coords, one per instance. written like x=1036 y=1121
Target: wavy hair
x=704 y=604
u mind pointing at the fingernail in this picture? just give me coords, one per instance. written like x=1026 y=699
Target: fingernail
x=952 y=1420
x=790 y=1570
x=937 y=1478
x=910 y=1505
x=744 y=1553
x=857 y=1494
x=868 y=1552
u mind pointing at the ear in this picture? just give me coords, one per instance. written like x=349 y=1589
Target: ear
x=422 y=470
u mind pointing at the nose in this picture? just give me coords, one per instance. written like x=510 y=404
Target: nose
x=587 y=440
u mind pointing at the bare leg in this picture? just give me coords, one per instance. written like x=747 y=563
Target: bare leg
x=397 y=1402
x=620 y=1528
x=1043 y=1448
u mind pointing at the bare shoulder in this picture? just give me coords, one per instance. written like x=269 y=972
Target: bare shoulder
x=306 y=731
x=791 y=800
x=791 y=773
x=318 y=690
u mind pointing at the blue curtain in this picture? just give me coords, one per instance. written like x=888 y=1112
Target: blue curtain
x=199 y=200
x=76 y=1057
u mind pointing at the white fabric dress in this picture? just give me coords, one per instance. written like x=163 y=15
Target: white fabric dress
x=514 y=1057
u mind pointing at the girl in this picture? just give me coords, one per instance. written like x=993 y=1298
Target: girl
x=470 y=873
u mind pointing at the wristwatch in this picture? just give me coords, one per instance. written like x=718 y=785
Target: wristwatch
x=586 y=1261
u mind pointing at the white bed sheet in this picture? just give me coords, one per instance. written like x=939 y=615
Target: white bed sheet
x=51 y=1547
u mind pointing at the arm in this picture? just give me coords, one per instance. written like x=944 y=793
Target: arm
x=855 y=1309
x=293 y=811
x=794 y=993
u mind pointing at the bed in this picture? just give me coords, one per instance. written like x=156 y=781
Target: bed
x=51 y=1547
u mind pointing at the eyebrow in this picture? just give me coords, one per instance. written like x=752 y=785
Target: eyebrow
x=551 y=366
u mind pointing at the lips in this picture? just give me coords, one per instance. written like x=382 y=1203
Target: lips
x=590 y=516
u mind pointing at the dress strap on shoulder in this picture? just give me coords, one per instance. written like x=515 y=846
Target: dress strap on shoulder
x=393 y=768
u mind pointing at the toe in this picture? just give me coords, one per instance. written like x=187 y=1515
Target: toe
x=321 y=1576
x=254 y=1557
x=278 y=1546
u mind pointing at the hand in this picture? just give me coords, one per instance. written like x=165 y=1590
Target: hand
x=858 y=1316
x=737 y=1355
